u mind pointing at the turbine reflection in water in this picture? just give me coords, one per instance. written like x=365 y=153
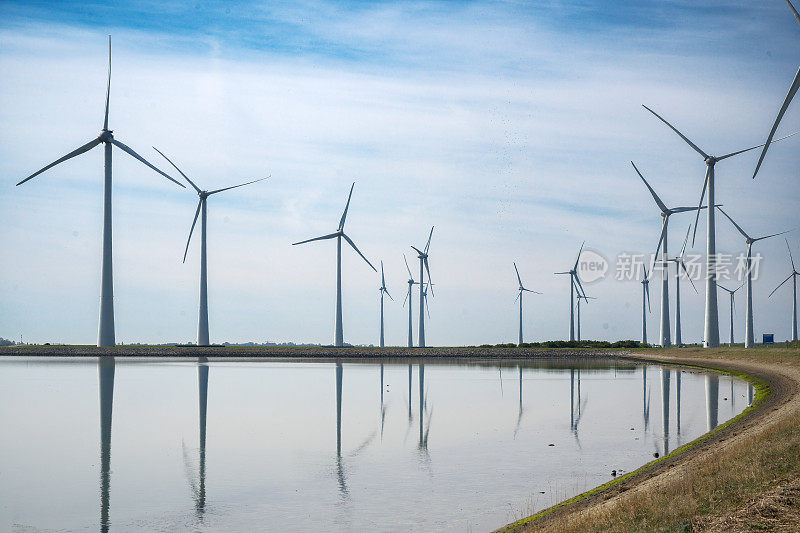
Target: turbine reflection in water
x=712 y=401
x=105 y=372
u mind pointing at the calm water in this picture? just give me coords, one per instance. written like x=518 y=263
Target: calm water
x=238 y=446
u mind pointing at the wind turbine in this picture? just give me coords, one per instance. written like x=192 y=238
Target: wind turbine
x=521 y=289
x=573 y=280
x=423 y=267
x=793 y=275
x=411 y=284
x=711 y=327
x=645 y=294
x=338 y=235
x=202 y=320
x=731 y=293
x=585 y=298
x=748 y=333
x=788 y=100
x=105 y=335
x=383 y=290
x=664 y=337
x=679 y=263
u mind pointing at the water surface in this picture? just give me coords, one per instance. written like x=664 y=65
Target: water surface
x=296 y=446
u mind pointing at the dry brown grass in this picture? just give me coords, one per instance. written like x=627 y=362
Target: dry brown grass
x=727 y=483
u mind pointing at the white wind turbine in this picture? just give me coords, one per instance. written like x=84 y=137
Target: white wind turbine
x=202 y=319
x=748 y=325
x=423 y=267
x=711 y=327
x=731 y=293
x=339 y=235
x=105 y=336
x=793 y=275
x=383 y=290
x=788 y=100
x=521 y=289
x=680 y=264
x=645 y=295
x=586 y=299
x=664 y=336
x=411 y=284
x=573 y=281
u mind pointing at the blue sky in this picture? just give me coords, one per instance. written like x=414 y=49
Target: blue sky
x=508 y=125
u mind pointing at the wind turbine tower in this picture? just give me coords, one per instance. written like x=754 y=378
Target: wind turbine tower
x=521 y=289
x=423 y=267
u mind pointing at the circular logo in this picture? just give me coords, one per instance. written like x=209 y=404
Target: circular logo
x=591 y=266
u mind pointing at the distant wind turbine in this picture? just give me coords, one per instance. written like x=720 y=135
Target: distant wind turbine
x=411 y=284
x=521 y=290
x=645 y=309
x=105 y=336
x=573 y=281
x=383 y=291
x=680 y=264
x=793 y=276
x=423 y=267
x=664 y=337
x=733 y=306
x=202 y=320
x=788 y=100
x=748 y=325
x=711 y=327
x=586 y=299
x=339 y=235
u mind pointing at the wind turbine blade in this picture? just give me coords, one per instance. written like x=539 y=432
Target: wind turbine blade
x=428 y=270
x=141 y=159
x=702 y=195
x=383 y=279
x=108 y=87
x=85 y=148
x=683 y=265
x=647 y=292
x=428 y=244
x=773 y=235
x=578 y=280
x=346 y=207
x=410 y=276
x=655 y=196
x=779 y=286
x=684 y=209
x=790 y=254
x=418 y=250
x=723 y=288
x=179 y=170
x=528 y=290
x=788 y=100
x=196 y=214
x=518 y=278
x=685 y=240
x=427 y=307
x=235 y=186
x=330 y=236
x=519 y=293
x=406 y=298
x=387 y=294
x=734 y=223
x=681 y=135
x=754 y=147
x=794 y=11
x=660 y=240
x=579 y=256
x=561 y=272
x=359 y=251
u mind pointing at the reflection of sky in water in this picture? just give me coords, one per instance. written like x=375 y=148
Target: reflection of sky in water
x=246 y=445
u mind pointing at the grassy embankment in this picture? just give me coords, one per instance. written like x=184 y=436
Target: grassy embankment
x=725 y=481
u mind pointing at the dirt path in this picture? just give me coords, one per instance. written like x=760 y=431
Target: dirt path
x=675 y=482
